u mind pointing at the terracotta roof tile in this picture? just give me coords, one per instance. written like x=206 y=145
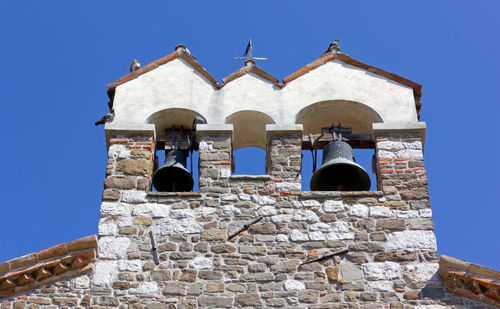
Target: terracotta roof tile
x=47 y=266
x=249 y=67
x=470 y=280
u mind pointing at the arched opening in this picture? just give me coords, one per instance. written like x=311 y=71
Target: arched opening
x=356 y=116
x=249 y=142
x=249 y=128
x=174 y=132
x=352 y=114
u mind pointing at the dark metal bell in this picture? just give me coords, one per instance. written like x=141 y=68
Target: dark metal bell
x=339 y=171
x=173 y=176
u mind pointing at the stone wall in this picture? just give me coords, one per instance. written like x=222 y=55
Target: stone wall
x=391 y=262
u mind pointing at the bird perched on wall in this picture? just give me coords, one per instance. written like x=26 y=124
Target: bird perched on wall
x=135 y=65
x=333 y=47
x=198 y=120
x=106 y=118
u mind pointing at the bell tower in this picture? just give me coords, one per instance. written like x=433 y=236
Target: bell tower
x=260 y=240
x=257 y=241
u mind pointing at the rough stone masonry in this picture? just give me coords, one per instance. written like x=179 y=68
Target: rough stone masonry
x=391 y=263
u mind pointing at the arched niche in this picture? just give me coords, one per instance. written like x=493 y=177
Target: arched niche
x=349 y=113
x=169 y=117
x=249 y=128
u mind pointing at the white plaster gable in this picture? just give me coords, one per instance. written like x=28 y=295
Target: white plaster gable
x=336 y=80
x=172 y=85
x=175 y=92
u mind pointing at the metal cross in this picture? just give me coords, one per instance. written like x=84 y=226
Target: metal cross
x=248 y=54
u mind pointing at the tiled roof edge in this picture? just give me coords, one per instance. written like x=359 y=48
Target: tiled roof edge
x=147 y=68
x=470 y=280
x=47 y=266
x=182 y=52
x=249 y=69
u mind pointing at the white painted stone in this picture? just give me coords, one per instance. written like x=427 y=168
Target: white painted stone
x=244 y=197
x=133 y=197
x=130 y=265
x=294 y=285
x=390 y=145
x=264 y=200
x=381 y=271
x=204 y=146
x=309 y=216
x=287 y=186
x=381 y=212
x=358 y=210
x=425 y=213
x=82 y=282
x=182 y=214
x=418 y=275
x=151 y=210
x=229 y=197
x=204 y=211
x=406 y=213
x=339 y=236
x=281 y=237
x=107 y=226
x=230 y=210
x=125 y=221
x=184 y=226
x=296 y=204
x=310 y=203
x=431 y=307
x=281 y=218
x=333 y=206
x=113 y=247
x=150 y=287
x=386 y=154
x=201 y=263
x=414 y=145
x=267 y=211
x=118 y=151
x=323 y=227
x=341 y=227
x=316 y=236
x=224 y=173
x=114 y=209
x=380 y=286
x=105 y=273
x=411 y=240
x=409 y=154
x=297 y=235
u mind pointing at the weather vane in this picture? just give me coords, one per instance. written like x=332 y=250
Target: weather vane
x=248 y=54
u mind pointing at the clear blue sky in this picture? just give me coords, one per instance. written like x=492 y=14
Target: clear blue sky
x=58 y=56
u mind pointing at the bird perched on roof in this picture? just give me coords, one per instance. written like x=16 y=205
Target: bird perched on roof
x=135 y=65
x=198 y=120
x=106 y=118
x=333 y=47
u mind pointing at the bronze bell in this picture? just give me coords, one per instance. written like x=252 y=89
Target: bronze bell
x=173 y=176
x=339 y=171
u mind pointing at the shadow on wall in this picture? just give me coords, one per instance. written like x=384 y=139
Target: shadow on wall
x=322 y=114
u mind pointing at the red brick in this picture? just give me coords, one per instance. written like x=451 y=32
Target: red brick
x=387 y=171
x=118 y=140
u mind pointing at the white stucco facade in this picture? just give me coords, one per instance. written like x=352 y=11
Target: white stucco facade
x=175 y=92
